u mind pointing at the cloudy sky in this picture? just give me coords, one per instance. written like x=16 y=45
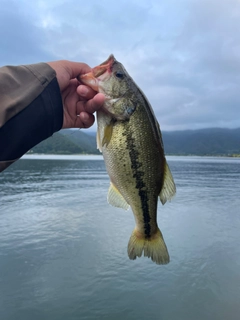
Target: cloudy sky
x=184 y=54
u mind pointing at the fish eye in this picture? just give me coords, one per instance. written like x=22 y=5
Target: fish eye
x=119 y=74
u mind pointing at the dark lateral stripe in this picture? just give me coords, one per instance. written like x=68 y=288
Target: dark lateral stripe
x=138 y=174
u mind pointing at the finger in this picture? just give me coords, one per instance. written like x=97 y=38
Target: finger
x=86 y=120
x=85 y=92
x=91 y=105
x=95 y=103
x=75 y=68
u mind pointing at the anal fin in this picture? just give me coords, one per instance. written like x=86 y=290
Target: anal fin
x=116 y=199
x=169 y=188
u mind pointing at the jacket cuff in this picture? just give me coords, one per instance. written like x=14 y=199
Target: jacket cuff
x=38 y=121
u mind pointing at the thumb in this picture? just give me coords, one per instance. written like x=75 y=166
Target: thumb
x=67 y=70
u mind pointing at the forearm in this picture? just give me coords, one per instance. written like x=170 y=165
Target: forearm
x=30 y=109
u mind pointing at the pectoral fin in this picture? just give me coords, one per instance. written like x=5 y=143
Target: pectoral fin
x=169 y=188
x=107 y=134
x=116 y=199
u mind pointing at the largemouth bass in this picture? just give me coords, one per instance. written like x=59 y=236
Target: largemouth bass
x=129 y=137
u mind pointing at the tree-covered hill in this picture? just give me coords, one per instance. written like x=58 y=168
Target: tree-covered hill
x=57 y=144
x=85 y=141
x=213 y=141
x=188 y=142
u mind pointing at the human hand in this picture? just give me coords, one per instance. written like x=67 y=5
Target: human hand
x=79 y=101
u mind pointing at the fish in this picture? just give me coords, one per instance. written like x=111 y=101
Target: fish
x=129 y=137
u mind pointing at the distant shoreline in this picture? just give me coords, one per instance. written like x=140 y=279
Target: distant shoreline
x=44 y=156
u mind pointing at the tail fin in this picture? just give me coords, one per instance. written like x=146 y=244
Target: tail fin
x=154 y=247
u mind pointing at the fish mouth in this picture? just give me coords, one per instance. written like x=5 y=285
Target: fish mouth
x=105 y=66
x=98 y=73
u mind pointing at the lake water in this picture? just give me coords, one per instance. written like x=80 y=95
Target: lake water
x=63 y=249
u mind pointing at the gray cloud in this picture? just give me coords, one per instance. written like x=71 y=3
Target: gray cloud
x=21 y=39
x=183 y=54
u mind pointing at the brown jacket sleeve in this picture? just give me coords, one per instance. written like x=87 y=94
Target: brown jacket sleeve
x=30 y=109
